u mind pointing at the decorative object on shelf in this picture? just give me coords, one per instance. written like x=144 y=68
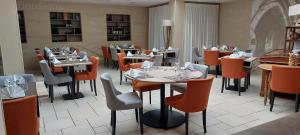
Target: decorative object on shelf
x=167 y=24
x=118 y=27
x=65 y=27
x=295 y=11
x=293 y=59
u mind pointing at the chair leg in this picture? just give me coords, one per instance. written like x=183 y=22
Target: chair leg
x=223 y=83
x=150 y=97
x=272 y=98
x=141 y=120
x=171 y=95
x=77 y=86
x=113 y=122
x=228 y=82
x=141 y=95
x=204 y=120
x=68 y=87
x=95 y=89
x=51 y=92
x=246 y=82
x=120 y=77
x=297 y=102
x=239 y=86
x=186 y=123
x=217 y=71
x=136 y=115
x=91 y=84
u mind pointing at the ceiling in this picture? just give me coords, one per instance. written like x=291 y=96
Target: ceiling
x=132 y=2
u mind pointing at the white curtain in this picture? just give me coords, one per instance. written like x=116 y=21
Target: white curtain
x=156 y=17
x=201 y=27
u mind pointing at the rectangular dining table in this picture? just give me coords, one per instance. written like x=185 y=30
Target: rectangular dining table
x=71 y=65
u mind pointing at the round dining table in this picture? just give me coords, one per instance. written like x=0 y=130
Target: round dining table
x=163 y=75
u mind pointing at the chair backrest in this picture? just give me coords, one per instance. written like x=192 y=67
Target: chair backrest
x=110 y=91
x=82 y=54
x=40 y=57
x=196 y=52
x=196 y=96
x=77 y=50
x=211 y=57
x=48 y=76
x=285 y=79
x=105 y=51
x=202 y=68
x=233 y=68
x=21 y=117
x=113 y=52
x=147 y=52
x=176 y=52
x=121 y=61
x=158 y=59
x=94 y=67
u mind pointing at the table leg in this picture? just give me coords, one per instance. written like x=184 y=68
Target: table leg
x=266 y=88
x=157 y=118
x=73 y=95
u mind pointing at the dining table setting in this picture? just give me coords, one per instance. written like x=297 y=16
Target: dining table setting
x=163 y=75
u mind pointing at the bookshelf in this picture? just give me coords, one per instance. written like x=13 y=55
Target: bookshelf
x=22 y=26
x=65 y=27
x=118 y=27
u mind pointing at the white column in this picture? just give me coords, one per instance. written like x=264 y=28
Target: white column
x=10 y=40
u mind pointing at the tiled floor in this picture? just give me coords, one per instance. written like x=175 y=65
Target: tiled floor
x=227 y=112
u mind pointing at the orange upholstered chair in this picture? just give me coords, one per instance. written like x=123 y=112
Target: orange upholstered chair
x=106 y=55
x=194 y=99
x=144 y=87
x=54 y=70
x=233 y=68
x=285 y=80
x=147 y=52
x=122 y=66
x=21 y=116
x=211 y=58
x=89 y=75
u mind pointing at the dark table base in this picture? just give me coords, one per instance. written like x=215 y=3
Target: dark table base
x=235 y=88
x=152 y=119
x=69 y=96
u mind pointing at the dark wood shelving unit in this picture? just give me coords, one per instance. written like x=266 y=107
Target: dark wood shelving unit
x=22 y=26
x=118 y=27
x=65 y=27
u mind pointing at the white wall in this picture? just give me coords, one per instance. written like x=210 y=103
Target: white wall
x=10 y=38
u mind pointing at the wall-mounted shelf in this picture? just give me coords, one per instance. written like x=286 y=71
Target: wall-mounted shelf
x=65 y=27
x=22 y=26
x=118 y=27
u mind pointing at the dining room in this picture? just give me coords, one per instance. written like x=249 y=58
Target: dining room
x=130 y=67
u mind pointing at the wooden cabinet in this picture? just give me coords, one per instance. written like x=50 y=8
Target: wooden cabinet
x=65 y=27
x=118 y=27
x=292 y=35
x=22 y=26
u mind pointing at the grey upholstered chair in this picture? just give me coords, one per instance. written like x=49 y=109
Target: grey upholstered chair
x=197 y=57
x=172 y=60
x=116 y=100
x=181 y=87
x=158 y=59
x=114 y=58
x=51 y=79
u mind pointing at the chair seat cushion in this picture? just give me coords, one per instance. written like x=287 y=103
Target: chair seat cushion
x=141 y=86
x=57 y=69
x=180 y=87
x=63 y=78
x=131 y=100
x=83 y=76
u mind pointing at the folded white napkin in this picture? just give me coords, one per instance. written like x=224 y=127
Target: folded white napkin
x=154 y=50
x=129 y=54
x=223 y=47
x=170 y=48
x=134 y=73
x=51 y=54
x=214 y=49
x=235 y=49
x=131 y=46
x=189 y=66
x=241 y=53
x=118 y=47
x=296 y=51
x=147 y=64
x=56 y=61
x=74 y=53
x=234 y=55
x=204 y=48
x=151 y=54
